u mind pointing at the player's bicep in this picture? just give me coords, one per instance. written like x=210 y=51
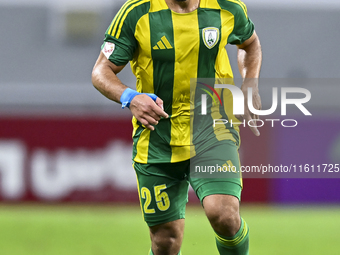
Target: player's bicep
x=248 y=41
x=103 y=63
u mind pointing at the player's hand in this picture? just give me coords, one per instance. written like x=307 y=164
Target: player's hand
x=248 y=116
x=147 y=111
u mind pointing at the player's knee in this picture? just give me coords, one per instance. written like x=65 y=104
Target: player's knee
x=225 y=222
x=165 y=245
x=167 y=238
x=224 y=217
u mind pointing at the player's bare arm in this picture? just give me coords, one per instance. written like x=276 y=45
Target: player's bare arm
x=249 y=58
x=105 y=80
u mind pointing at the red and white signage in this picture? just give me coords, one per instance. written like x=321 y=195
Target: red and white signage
x=76 y=159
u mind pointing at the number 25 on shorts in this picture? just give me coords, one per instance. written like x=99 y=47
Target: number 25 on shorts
x=162 y=199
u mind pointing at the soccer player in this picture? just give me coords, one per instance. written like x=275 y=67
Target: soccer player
x=169 y=42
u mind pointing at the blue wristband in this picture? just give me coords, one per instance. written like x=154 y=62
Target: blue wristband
x=129 y=94
x=127 y=97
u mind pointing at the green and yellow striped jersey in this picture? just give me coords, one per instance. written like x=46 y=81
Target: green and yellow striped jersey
x=166 y=50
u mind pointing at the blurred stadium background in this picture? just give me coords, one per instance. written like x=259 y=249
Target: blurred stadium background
x=66 y=181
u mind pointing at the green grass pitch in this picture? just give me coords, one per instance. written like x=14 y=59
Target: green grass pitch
x=101 y=230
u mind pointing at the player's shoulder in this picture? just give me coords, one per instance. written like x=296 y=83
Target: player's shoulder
x=135 y=8
x=128 y=16
x=233 y=6
x=132 y=11
x=136 y=3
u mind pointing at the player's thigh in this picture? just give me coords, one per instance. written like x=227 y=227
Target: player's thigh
x=163 y=191
x=217 y=171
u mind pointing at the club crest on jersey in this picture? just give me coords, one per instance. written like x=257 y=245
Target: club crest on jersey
x=108 y=49
x=210 y=35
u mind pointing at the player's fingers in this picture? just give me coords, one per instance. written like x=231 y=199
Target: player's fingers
x=152 y=115
x=146 y=124
x=255 y=131
x=239 y=117
x=143 y=105
x=159 y=110
x=150 y=127
x=255 y=117
x=159 y=102
x=151 y=120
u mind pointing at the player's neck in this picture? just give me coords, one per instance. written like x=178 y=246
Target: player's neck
x=183 y=6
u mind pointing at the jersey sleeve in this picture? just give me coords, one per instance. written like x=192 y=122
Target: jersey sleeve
x=119 y=42
x=243 y=26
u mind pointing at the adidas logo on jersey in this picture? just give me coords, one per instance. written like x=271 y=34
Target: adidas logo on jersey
x=163 y=44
